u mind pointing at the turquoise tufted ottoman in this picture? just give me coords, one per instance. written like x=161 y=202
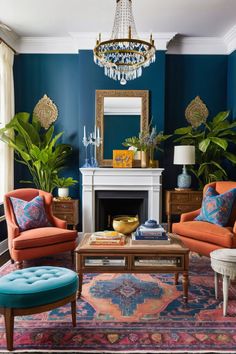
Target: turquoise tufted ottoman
x=33 y=290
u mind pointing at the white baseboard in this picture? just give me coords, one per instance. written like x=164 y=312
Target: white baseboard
x=3 y=246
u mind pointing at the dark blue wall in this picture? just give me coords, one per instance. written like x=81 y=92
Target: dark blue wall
x=92 y=78
x=71 y=81
x=232 y=84
x=188 y=76
x=58 y=77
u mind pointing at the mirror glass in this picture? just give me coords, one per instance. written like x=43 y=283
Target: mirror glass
x=119 y=114
x=121 y=120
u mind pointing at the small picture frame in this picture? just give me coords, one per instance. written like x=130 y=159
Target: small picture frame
x=123 y=158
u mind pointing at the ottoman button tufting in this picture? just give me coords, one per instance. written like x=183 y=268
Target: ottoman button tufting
x=34 y=290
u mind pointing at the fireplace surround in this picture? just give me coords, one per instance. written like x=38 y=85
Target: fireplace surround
x=123 y=180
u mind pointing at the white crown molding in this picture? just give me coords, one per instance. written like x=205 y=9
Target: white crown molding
x=169 y=41
x=197 y=45
x=230 y=40
x=44 y=45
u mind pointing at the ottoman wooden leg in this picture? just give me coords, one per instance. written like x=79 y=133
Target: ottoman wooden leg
x=73 y=312
x=9 y=325
x=226 y=282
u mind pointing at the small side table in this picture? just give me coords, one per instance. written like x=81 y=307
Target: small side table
x=179 y=202
x=223 y=261
x=67 y=210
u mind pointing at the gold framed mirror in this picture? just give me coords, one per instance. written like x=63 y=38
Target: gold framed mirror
x=119 y=114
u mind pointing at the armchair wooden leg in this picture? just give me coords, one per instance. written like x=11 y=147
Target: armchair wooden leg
x=19 y=264
x=9 y=325
x=73 y=313
x=12 y=261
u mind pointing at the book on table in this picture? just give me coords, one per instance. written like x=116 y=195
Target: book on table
x=148 y=232
x=136 y=240
x=108 y=238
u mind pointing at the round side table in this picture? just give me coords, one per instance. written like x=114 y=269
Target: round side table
x=223 y=261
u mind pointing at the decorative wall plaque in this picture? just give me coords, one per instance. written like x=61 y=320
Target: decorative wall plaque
x=46 y=111
x=196 y=113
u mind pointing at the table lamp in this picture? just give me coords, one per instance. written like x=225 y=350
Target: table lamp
x=184 y=155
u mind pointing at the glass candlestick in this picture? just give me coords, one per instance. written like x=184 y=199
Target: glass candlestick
x=96 y=142
x=86 y=142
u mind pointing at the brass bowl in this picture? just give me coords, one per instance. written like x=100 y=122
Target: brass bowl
x=125 y=224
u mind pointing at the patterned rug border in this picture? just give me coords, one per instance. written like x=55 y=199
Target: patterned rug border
x=32 y=351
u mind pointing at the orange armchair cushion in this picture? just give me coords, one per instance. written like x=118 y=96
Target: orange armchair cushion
x=44 y=236
x=204 y=231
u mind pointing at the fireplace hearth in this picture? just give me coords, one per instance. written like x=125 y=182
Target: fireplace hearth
x=109 y=204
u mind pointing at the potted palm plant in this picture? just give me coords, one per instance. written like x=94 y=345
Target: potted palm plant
x=212 y=140
x=36 y=148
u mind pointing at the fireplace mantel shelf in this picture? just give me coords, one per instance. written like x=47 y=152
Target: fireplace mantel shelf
x=129 y=179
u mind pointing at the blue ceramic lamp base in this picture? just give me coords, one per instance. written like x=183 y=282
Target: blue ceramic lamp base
x=184 y=180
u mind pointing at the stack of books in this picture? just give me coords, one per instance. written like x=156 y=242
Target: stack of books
x=145 y=235
x=107 y=238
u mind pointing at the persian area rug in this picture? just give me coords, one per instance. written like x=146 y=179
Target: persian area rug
x=132 y=313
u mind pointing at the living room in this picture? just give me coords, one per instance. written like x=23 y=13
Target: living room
x=120 y=113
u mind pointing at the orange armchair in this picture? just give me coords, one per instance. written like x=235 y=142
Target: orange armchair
x=35 y=243
x=203 y=237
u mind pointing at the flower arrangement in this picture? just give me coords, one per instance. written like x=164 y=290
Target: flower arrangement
x=148 y=141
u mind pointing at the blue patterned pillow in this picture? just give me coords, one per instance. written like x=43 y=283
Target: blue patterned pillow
x=216 y=208
x=30 y=215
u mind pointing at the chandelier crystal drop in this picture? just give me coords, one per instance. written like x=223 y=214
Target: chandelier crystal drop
x=124 y=55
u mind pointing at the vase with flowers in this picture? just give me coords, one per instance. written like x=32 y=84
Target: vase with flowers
x=148 y=141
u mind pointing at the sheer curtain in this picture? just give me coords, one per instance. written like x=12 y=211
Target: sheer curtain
x=6 y=113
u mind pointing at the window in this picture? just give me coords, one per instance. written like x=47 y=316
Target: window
x=6 y=114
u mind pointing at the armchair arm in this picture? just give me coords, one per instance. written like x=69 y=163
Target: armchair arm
x=13 y=229
x=58 y=222
x=190 y=216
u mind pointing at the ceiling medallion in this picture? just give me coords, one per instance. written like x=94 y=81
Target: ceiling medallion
x=46 y=111
x=124 y=55
x=197 y=112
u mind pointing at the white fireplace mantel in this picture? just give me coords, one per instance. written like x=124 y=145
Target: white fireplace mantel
x=120 y=179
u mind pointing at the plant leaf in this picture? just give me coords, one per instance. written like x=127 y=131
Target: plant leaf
x=220 y=117
x=203 y=145
x=220 y=142
x=231 y=157
x=181 y=131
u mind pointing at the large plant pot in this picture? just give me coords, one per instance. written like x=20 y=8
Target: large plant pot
x=63 y=192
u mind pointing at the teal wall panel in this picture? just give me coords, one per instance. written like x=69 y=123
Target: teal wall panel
x=72 y=79
x=56 y=76
x=188 y=76
x=92 y=78
x=116 y=128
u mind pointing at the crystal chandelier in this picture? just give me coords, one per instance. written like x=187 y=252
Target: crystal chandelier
x=124 y=55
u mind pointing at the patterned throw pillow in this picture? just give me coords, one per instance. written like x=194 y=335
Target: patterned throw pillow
x=30 y=215
x=216 y=208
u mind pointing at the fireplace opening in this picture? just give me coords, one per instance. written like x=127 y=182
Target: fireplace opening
x=109 y=204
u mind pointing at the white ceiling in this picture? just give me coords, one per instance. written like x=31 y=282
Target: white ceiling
x=208 y=18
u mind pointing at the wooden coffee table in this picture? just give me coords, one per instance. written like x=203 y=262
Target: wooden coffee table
x=171 y=258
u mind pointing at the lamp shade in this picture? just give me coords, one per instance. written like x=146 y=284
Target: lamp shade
x=184 y=155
